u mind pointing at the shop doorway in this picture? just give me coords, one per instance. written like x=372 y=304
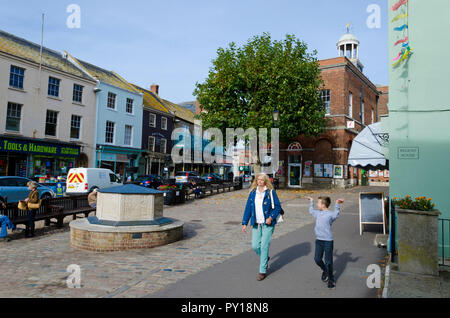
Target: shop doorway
x=295 y=171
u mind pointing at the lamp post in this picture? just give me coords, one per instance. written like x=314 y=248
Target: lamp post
x=276 y=117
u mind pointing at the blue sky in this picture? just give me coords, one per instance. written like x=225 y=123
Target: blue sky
x=172 y=42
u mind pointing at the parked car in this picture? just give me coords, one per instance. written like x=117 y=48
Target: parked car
x=151 y=181
x=14 y=189
x=85 y=180
x=186 y=176
x=209 y=177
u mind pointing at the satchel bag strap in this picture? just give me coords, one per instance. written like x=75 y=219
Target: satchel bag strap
x=271 y=200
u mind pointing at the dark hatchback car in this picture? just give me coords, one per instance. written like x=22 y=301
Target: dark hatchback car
x=186 y=176
x=211 y=177
x=151 y=181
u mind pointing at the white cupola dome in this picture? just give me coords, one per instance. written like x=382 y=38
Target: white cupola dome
x=348 y=46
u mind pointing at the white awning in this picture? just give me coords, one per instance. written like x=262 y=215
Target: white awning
x=366 y=151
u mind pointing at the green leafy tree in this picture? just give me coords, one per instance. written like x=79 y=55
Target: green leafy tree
x=245 y=85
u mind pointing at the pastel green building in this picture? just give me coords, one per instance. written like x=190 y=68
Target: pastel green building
x=419 y=110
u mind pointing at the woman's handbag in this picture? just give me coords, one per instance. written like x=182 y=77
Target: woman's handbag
x=280 y=218
x=34 y=206
x=22 y=205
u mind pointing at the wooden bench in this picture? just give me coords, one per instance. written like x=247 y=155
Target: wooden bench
x=55 y=208
x=70 y=206
x=45 y=212
x=210 y=188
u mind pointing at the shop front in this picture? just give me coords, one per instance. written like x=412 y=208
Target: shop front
x=37 y=159
x=119 y=160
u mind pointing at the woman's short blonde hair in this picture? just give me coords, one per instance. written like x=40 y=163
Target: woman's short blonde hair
x=32 y=184
x=267 y=182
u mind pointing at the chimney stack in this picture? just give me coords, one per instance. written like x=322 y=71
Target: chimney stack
x=155 y=89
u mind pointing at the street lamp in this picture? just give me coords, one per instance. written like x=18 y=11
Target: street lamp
x=276 y=117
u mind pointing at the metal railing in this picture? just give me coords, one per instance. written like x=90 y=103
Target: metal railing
x=444 y=229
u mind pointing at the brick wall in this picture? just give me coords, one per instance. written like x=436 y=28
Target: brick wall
x=341 y=77
x=108 y=242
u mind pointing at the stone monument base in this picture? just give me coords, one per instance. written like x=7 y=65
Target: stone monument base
x=104 y=238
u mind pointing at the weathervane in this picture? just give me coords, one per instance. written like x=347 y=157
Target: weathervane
x=348 y=27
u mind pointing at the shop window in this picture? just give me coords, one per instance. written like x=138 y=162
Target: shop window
x=16 y=76
x=13 y=115
x=53 y=86
x=75 y=127
x=51 y=122
x=111 y=100
x=109 y=136
x=77 y=93
x=128 y=135
x=129 y=108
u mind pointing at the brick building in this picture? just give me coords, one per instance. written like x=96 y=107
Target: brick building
x=352 y=102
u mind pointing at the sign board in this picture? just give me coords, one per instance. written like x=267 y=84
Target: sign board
x=371 y=210
x=373 y=173
x=408 y=153
x=38 y=148
x=350 y=125
x=338 y=171
x=328 y=170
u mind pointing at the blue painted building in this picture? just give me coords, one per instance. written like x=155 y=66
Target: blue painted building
x=119 y=116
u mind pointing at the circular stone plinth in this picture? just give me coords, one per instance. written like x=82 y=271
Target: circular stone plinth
x=101 y=238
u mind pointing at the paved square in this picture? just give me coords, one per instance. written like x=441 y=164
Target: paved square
x=212 y=235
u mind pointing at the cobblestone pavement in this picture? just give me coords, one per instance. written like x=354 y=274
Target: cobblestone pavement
x=212 y=234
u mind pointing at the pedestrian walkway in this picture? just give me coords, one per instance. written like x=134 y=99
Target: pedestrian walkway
x=212 y=235
x=292 y=271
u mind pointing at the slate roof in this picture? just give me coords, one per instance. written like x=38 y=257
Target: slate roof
x=30 y=51
x=179 y=111
x=109 y=77
x=151 y=100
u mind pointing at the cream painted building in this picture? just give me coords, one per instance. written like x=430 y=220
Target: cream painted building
x=47 y=111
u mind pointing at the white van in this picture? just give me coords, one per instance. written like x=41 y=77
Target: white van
x=84 y=180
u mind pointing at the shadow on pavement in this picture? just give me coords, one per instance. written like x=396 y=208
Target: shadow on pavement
x=190 y=230
x=289 y=255
x=340 y=263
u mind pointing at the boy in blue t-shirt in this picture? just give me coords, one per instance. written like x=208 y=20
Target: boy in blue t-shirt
x=324 y=235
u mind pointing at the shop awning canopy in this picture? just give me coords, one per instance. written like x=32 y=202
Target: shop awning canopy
x=366 y=151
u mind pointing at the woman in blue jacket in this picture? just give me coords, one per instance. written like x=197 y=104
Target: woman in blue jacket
x=262 y=218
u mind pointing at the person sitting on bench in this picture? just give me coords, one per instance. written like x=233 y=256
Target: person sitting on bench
x=5 y=223
x=92 y=199
x=194 y=188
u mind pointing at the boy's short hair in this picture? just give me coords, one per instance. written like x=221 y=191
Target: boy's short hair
x=326 y=201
